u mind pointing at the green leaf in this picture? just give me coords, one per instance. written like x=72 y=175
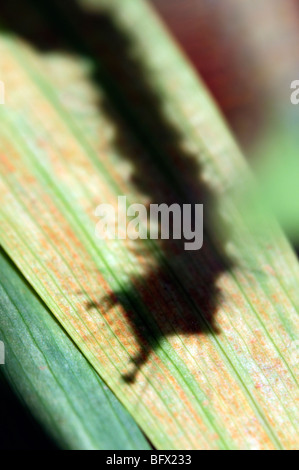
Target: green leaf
x=53 y=379
x=199 y=347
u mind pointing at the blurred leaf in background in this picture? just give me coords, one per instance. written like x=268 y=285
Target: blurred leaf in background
x=248 y=54
x=197 y=346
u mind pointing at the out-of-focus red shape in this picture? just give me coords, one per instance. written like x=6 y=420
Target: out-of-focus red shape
x=245 y=50
x=214 y=49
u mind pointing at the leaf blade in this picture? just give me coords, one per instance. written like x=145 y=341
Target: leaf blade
x=232 y=360
x=53 y=379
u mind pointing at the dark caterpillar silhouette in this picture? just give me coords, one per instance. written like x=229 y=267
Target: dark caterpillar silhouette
x=180 y=295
